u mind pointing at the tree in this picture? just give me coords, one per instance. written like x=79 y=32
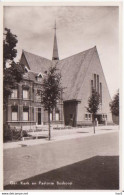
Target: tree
x=93 y=105
x=51 y=91
x=12 y=72
x=114 y=105
x=9 y=44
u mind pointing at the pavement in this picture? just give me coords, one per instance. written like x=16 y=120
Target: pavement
x=25 y=162
x=59 y=135
x=98 y=172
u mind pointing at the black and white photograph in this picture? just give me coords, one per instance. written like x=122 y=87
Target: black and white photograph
x=61 y=91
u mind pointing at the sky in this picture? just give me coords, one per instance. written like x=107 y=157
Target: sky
x=78 y=28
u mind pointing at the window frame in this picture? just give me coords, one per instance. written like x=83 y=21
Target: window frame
x=14 y=109
x=26 y=111
x=14 y=97
x=88 y=117
x=57 y=114
x=27 y=90
x=51 y=116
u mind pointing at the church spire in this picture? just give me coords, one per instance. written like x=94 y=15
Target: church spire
x=55 y=47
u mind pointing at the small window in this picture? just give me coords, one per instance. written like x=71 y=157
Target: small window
x=95 y=81
x=86 y=116
x=91 y=86
x=33 y=113
x=14 y=113
x=57 y=116
x=25 y=113
x=51 y=116
x=39 y=77
x=105 y=116
x=38 y=96
x=39 y=109
x=25 y=94
x=14 y=93
x=26 y=69
x=38 y=92
x=98 y=83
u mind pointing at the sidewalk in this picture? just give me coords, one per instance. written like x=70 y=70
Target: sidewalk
x=27 y=162
x=58 y=135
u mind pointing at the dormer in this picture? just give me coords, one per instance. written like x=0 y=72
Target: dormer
x=26 y=69
x=39 y=77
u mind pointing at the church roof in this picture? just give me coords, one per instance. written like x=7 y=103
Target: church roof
x=73 y=70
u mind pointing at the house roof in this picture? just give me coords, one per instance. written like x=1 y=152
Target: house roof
x=73 y=70
x=30 y=76
x=37 y=63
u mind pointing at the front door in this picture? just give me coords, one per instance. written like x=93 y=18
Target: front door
x=70 y=113
x=99 y=118
x=39 y=116
x=71 y=121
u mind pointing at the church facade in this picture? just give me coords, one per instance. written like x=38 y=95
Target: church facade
x=80 y=74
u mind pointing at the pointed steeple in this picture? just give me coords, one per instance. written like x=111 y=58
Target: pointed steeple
x=55 y=47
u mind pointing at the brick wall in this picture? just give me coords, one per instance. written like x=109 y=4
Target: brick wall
x=94 y=68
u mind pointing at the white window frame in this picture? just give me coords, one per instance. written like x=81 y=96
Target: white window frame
x=86 y=116
x=57 y=116
x=25 y=94
x=51 y=116
x=89 y=117
x=14 y=115
x=26 y=69
x=25 y=115
x=38 y=95
x=14 y=93
x=39 y=79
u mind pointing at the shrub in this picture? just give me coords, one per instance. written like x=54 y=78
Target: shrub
x=12 y=134
x=7 y=134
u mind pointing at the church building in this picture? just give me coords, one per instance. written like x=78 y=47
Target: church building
x=80 y=74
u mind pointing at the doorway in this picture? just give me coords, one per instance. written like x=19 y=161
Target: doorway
x=99 y=118
x=70 y=113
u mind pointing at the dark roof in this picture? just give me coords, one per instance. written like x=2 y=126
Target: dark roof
x=73 y=70
x=37 y=63
x=30 y=76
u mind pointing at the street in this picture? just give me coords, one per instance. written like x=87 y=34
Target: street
x=26 y=162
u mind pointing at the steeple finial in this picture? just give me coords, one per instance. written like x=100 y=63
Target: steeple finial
x=55 y=47
x=55 y=25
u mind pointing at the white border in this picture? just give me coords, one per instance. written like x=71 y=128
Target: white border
x=64 y=3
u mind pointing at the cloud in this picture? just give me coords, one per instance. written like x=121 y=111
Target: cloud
x=78 y=29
